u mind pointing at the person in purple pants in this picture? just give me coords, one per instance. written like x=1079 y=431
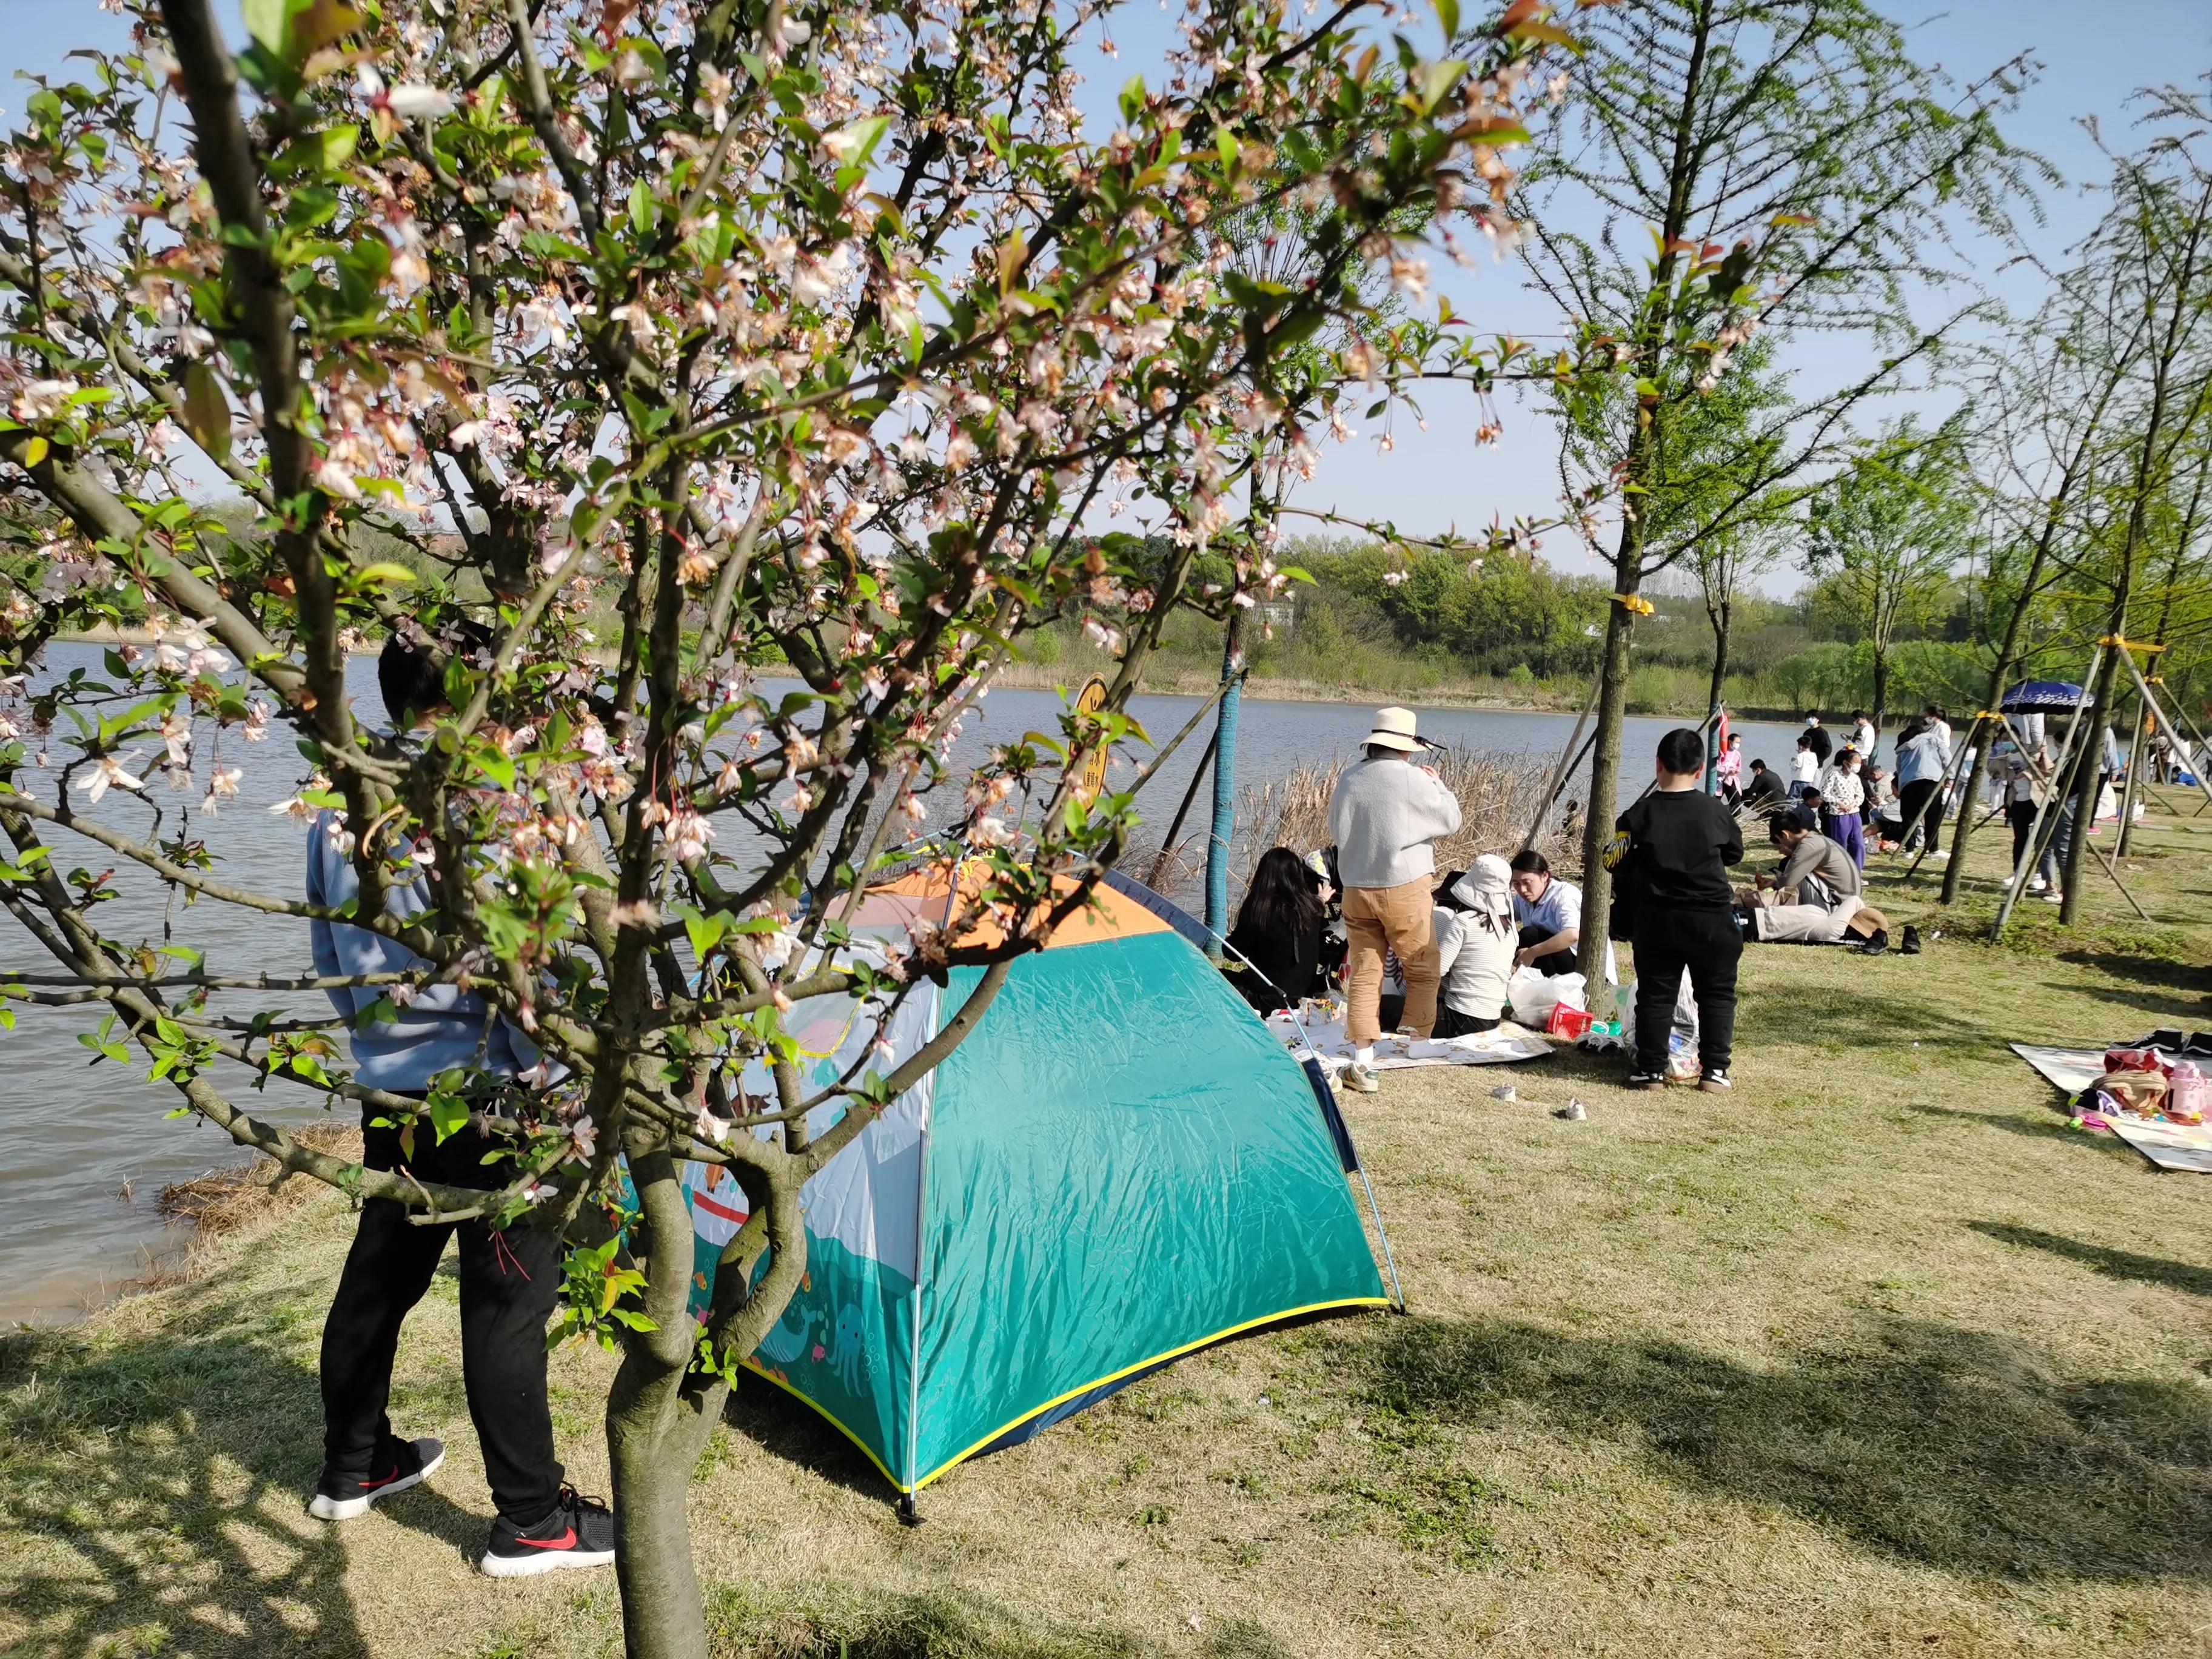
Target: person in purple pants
x=1842 y=794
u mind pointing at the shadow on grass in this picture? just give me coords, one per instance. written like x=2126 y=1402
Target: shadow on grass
x=2035 y=1128
x=1939 y=1446
x=2116 y=1264
x=798 y=1435
x=2145 y=969
x=155 y=1500
x=850 y=1624
x=2192 y=1011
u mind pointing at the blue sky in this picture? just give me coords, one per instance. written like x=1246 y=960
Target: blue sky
x=2093 y=58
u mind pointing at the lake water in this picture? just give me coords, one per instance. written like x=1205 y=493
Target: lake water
x=84 y=1150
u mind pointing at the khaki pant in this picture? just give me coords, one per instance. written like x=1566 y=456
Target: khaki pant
x=1402 y=917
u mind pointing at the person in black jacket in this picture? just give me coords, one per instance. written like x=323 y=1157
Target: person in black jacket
x=1672 y=851
x=1277 y=932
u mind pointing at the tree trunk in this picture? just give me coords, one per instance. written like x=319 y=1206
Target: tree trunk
x=1720 y=620
x=1880 y=695
x=1718 y=616
x=1604 y=767
x=656 y=1430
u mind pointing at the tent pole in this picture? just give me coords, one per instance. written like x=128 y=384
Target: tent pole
x=1389 y=1260
x=1564 y=770
x=2046 y=815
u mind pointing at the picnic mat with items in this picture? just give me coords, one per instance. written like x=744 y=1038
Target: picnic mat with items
x=1503 y=1047
x=2167 y=1144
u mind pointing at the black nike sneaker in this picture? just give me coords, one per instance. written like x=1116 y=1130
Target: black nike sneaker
x=580 y=1532
x=399 y=1464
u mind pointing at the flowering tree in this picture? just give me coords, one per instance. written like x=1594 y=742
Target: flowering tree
x=723 y=340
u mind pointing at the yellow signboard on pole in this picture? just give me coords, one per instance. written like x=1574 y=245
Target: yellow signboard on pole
x=1093 y=779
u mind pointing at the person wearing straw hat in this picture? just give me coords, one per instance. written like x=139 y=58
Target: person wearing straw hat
x=1476 y=942
x=1385 y=815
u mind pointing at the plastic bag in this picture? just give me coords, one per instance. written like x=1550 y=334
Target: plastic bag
x=1533 y=996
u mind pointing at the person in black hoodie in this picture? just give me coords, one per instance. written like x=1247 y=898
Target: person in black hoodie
x=1277 y=932
x=1671 y=852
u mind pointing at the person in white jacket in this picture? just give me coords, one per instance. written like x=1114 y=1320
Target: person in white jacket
x=1385 y=815
x=1475 y=943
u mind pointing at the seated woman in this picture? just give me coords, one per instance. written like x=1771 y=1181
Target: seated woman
x=1475 y=945
x=1277 y=940
x=1550 y=914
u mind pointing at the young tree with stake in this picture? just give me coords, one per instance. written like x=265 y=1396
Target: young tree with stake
x=807 y=340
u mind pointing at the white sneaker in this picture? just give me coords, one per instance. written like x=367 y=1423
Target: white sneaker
x=2054 y=897
x=2035 y=884
x=1360 y=1079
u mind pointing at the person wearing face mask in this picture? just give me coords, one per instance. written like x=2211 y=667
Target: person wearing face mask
x=1843 y=794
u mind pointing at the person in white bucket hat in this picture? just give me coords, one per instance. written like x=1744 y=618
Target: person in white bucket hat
x=1387 y=811
x=1476 y=942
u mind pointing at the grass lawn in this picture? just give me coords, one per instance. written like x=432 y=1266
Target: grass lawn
x=1874 y=1356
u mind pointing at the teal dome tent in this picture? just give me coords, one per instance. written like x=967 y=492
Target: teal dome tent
x=1120 y=1166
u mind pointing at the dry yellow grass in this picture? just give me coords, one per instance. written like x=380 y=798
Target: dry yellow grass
x=1873 y=1356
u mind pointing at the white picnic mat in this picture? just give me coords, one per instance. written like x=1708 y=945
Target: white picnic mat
x=2169 y=1146
x=1508 y=1043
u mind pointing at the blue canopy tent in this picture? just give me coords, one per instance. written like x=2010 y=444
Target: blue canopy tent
x=2032 y=696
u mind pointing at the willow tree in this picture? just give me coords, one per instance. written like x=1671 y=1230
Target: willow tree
x=1728 y=167
x=1888 y=532
x=766 y=338
x=2153 y=249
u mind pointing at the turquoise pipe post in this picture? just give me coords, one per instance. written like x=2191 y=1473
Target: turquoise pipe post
x=1225 y=794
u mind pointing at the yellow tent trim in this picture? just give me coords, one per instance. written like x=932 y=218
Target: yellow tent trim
x=1142 y=1365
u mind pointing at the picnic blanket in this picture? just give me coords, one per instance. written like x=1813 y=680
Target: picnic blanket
x=1503 y=1047
x=2169 y=1146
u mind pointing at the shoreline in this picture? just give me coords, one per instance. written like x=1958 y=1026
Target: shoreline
x=1195 y=683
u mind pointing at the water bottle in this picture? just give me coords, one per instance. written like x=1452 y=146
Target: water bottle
x=2189 y=1093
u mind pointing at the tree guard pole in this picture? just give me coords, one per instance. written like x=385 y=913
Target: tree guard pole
x=1569 y=757
x=2047 y=815
x=1225 y=786
x=2159 y=708
x=1182 y=811
x=2109 y=864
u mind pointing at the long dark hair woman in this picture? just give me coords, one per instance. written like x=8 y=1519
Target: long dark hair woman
x=1277 y=932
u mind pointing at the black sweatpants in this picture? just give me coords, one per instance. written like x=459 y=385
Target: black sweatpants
x=1558 y=962
x=1924 y=816
x=1707 y=944
x=509 y=1282
x=2021 y=814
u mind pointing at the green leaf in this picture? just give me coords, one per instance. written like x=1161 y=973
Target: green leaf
x=447 y=1114
x=1448 y=14
x=34 y=450
x=266 y=20
x=207 y=412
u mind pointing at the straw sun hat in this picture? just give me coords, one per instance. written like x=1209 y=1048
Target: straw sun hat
x=1394 y=729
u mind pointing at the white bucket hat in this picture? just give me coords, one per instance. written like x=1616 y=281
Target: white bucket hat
x=1394 y=729
x=1487 y=886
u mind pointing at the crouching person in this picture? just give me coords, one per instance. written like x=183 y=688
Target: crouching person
x=1816 y=896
